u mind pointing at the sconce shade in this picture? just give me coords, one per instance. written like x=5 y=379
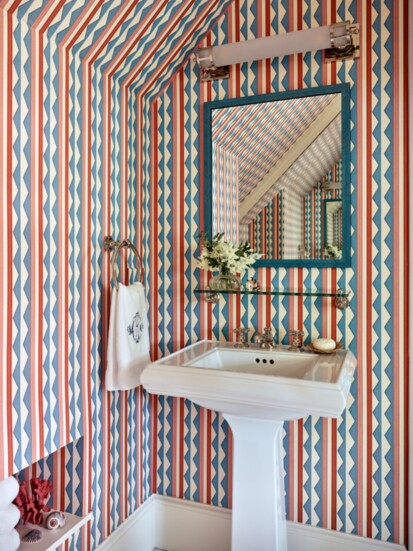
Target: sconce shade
x=340 y=41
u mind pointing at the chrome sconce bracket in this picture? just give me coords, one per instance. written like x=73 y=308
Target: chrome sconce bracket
x=345 y=42
x=207 y=68
x=214 y=73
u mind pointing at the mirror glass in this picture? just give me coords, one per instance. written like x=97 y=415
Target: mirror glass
x=333 y=222
x=277 y=175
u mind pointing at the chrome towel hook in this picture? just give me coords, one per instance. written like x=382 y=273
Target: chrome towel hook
x=109 y=244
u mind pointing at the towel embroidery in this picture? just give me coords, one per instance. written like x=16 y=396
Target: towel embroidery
x=136 y=327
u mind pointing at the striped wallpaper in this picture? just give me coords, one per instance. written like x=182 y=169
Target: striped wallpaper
x=103 y=134
x=73 y=74
x=314 y=212
x=265 y=230
x=293 y=227
x=241 y=129
x=225 y=199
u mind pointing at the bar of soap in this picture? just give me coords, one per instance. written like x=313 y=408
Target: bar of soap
x=325 y=345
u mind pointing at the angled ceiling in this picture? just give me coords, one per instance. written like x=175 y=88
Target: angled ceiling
x=138 y=43
x=261 y=136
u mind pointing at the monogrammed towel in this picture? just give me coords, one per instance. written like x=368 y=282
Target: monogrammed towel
x=10 y=541
x=9 y=488
x=128 y=339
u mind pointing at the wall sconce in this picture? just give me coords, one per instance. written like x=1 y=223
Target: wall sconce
x=339 y=40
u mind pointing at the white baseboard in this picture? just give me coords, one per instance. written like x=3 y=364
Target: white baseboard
x=177 y=525
x=311 y=538
x=137 y=533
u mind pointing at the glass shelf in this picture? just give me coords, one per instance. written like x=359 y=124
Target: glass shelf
x=341 y=298
x=286 y=293
x=51 y=539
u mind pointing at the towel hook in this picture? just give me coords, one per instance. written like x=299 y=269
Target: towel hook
x=109 y=244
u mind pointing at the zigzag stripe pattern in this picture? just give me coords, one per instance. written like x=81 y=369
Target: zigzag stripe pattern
x=329 y=498
x=104 y=135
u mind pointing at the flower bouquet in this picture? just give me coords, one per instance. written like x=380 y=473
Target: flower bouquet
x=331 y=251
x=226 y=257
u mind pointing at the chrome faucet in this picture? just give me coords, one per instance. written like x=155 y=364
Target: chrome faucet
x=241 y=333
x=266 y=339
x=296 y=342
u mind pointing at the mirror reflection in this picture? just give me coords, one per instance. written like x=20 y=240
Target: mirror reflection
x=333 y=224
x=277 y=175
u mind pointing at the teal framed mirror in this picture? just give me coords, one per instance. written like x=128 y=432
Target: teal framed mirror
x=273 y=163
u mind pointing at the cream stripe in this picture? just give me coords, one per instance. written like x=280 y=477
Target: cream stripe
x=293 y=461
x=86 y=274
x=62 y=351
x=36 y=262
x=329 y=474
x=362 y=311
x=401 y=164
x=385 y=294
x=5 y=244
x=179 y=214
x=232 y=91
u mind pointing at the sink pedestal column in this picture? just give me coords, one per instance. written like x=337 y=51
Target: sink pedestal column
x=258 y=512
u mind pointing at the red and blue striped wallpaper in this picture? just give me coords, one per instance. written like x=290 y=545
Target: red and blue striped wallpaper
x=265 y=230
x=102 y=134
x=314 y=212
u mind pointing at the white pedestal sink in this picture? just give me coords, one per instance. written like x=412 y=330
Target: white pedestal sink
x=256 y=391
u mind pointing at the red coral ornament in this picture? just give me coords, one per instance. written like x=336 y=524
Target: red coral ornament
x=42 y=490
x=31 y=506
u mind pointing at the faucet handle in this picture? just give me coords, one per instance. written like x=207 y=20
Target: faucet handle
x=295 y=333
x=241 y=330
x=296 y=343
x=242 y=333
x=268 y=336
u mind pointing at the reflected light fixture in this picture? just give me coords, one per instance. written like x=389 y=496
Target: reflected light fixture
x=339 y=40
x=330 y=186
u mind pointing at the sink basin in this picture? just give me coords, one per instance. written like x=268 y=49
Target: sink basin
x=256 y=391
x=281 y=364
x=269 y=384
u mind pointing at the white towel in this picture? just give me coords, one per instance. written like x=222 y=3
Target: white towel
x=9 y=517
x=10 y=541
x=9 y=488
x=128 y=339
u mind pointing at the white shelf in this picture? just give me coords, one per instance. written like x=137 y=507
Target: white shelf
x=52 y=538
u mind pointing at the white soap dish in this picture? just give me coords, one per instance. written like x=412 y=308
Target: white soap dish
x=312 y=348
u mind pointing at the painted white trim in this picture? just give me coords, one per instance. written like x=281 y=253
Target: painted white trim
x=311 y=538
x=410 y=157
x=136 y=533
x=189 y=526
x=175 y=524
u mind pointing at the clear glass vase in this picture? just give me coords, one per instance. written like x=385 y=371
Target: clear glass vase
x=225 y=282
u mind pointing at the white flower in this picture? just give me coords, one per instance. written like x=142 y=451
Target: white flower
x=331 y=251
x=225 y=256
